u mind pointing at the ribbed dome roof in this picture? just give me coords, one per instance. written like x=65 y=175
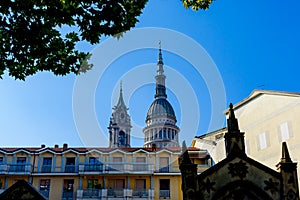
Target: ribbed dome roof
x=161 y=108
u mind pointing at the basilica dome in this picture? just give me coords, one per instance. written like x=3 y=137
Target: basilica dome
x=161 y=108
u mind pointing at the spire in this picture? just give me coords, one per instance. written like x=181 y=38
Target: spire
x=121 y=100
x=234 y=139
x=160 y=77
x=285 y=158
x=288 y=171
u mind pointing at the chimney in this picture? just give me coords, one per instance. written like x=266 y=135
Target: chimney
x=56 y=146
x=43 y=145
x=65 y=146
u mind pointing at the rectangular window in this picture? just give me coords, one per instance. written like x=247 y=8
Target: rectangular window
x=47 y=163
x=284 y=132
x=140 y=164
x=117 y=159
x=140 y=159
x=163 y=164
x=120 y=183
x=164 y=188
x=93 y=160
x=140 y=188
x=263 y=141
x=20 y=167
x=1 y=160
x=21 y=160
x=70 y=165
x=116 y=183
x=45 y=187
x=68 y=188
x=92 y=183
x=140 y=184
x=116 y=187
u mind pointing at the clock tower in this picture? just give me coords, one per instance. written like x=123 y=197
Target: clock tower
x=119 y=124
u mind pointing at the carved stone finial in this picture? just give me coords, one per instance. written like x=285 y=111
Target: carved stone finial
x=232 y=123
x=285 y=158
x=184 y=148
x=185 y=154
x=231 y=111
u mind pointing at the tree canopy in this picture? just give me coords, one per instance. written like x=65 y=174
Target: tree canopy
x=32 y=40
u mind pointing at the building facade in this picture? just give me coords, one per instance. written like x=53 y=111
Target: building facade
x=161 y=129
x=269 y=118
x=98 y=173
x=239 y=177
x=113 y=173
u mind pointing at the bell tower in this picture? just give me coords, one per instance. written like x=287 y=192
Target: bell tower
x=119 y=124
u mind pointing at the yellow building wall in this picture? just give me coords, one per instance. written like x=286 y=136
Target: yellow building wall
x=175 y=187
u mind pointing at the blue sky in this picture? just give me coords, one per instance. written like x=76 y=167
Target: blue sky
x=254 y=45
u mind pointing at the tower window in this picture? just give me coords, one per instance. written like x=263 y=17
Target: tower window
x=122 y=138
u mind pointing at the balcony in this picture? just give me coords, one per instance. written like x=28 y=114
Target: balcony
x=140 y=167
x=164 y=194
x=19 y=168
x=93 y=168
x=115 y=168
x=67 y=195
x=45 y=193
x=115 y=192
x=140 y=193
x=168 y=169
x=3 y=169
x=70 y=169
x=164 y=169
x=92 y=193
x=46 y=168
x=136 y=194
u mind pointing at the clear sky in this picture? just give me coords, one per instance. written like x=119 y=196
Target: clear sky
x=252 y=45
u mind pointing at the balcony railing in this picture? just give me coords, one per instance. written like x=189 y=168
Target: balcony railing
x=92 y=193
x=93 y=168
x=68 y=195
x=116 y=168
x=70 y=168
x=137 y=194
x=110 y=168
x=164 y=169
x=19 y=168
x=139 y=167
x=45 y=193
x=3 y=169
x=46 y=168
x=115 y=192
x=141 y=193
x=164 y=193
